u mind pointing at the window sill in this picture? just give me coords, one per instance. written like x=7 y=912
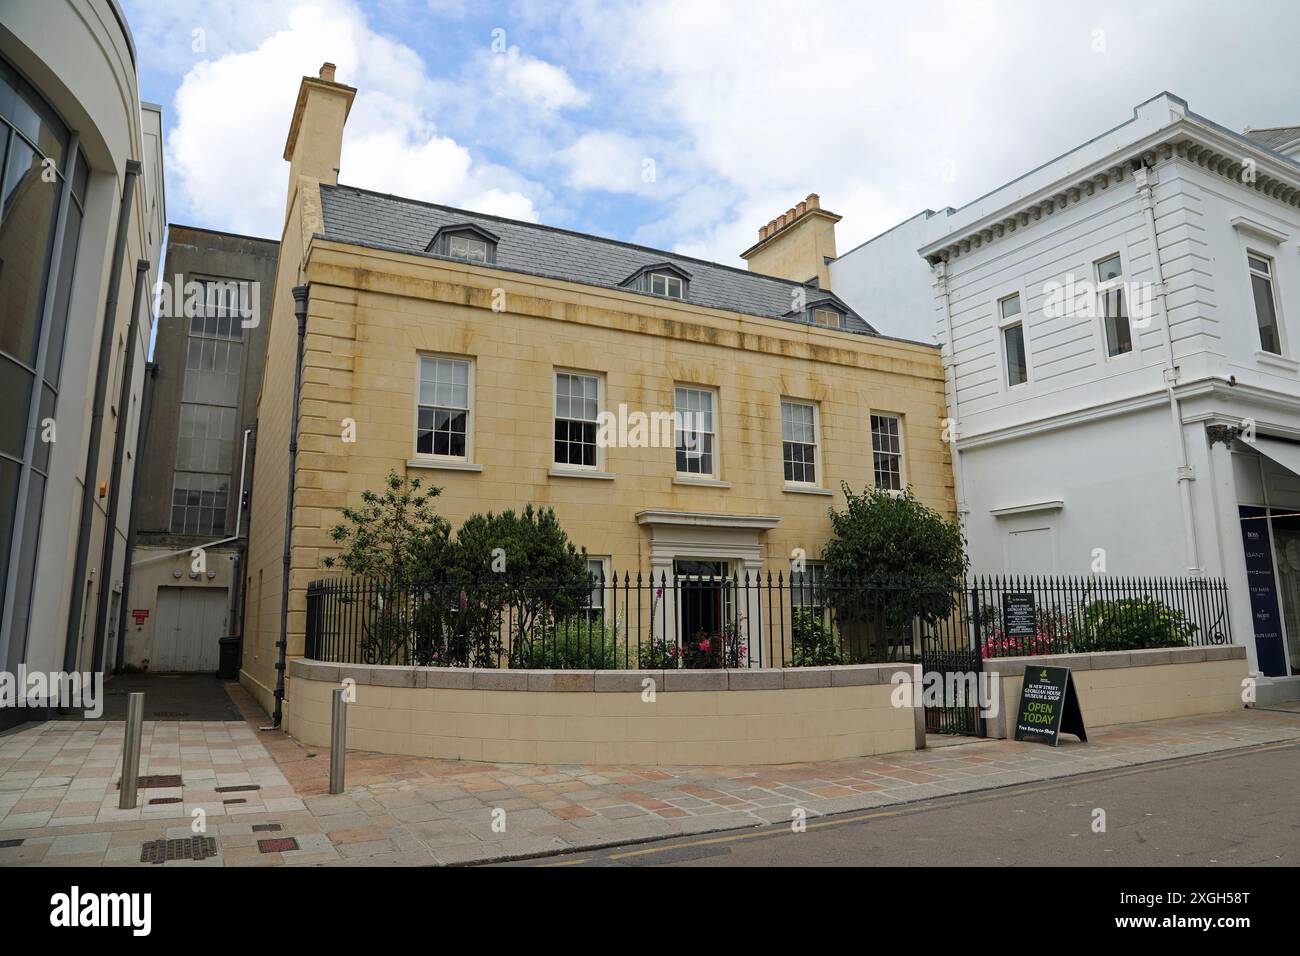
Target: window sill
x=807 y=490
x=1277 y=361
x=701 y=482
x=437 y=465
x=578 y=473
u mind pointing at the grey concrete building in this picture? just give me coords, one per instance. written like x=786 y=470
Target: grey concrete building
x=190 y=521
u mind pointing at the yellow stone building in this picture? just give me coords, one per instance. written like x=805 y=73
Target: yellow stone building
x=487 y=355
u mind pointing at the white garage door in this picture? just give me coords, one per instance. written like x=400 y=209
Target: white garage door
x=191 y=622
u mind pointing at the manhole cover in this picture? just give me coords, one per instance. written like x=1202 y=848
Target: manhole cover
x=157 y=781
x=237 y=789
x=157 y=800
x=184 y=848
x=267 y=828
x=277 y=845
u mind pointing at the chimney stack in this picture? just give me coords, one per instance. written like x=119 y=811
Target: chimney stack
x=796 y=244
x=315 y=144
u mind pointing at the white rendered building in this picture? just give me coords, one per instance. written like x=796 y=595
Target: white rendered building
x=1121 y=334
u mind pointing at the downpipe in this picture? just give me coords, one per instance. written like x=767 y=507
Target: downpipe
x=300 y=294
x=1145 y=178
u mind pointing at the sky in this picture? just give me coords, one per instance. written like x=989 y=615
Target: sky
x=686 y=124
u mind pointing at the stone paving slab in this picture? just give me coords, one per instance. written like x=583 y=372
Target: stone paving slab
x=58 y=792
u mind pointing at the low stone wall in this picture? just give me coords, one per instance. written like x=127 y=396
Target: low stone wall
x=696 y=718
x=1120 y=687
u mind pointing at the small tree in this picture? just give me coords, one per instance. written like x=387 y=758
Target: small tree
x=905 y=555
x=523 y=562
x=395 y=535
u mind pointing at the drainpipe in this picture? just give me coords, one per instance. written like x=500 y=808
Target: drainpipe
x=950 y=390
x=73 y=635
x=146 y=407
x=115 y=472
x=300 y=312
x=1145 y=178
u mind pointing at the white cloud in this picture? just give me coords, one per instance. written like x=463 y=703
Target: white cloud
x=885 y=110
x=232 y=116
x=532 y=81
x=608 y=161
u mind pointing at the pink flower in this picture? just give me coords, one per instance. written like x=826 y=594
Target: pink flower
x=704 y=645
x=464 y=600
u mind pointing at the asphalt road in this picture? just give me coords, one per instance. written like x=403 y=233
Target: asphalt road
x=1238 y=808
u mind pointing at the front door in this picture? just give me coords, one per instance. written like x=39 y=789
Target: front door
x=704 y=598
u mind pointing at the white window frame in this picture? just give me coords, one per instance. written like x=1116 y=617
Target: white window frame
x=1102 y=289
x=600 y=407
x=712 y=392
x=902 y=448
x=819 y=464
x=1271 y=275
x=469 y=242
x=1002 y=324
x=604 y=561
x=837 y=324
x=668 y=279
x=797 y=590
x=470 y=410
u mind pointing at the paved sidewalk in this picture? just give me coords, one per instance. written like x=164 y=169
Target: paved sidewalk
x=265 y=802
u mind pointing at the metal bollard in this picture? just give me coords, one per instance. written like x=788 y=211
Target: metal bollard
x=131 y=751
x=338 y=739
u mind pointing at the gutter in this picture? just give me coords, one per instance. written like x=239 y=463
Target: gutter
x=1145 y=178
x=146 y=407
x=73 y=635
x=300 y=293
x=115 y=473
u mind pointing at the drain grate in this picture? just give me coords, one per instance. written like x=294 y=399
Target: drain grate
x=277 y=845
x=239 y=788
x=157 y=781
x=267 y=827
x=235 y=800
x=154 y=801
x=6 y=844
x=185 y=848
x=170 y=714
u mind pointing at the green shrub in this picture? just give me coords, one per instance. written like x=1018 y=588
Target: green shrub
x=573 y=643
x=1127 y=624
x=814 y=642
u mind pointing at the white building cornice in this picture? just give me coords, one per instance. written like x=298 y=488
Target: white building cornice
x=1189 y=138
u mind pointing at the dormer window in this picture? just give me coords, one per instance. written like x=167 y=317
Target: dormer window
x=665 y=283
x=828 y=318
x=660 y=278
x=467 y=247
x=465 y=241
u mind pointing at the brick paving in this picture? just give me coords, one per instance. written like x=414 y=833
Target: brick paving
x=58 y=792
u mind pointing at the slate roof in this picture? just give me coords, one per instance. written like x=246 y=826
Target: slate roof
x=1274 y=137
x=365 y=218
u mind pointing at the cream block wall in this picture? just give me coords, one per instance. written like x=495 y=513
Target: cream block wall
x=724 y=726
x=1130 y=686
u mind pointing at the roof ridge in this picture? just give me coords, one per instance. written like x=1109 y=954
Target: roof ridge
x=567 y=232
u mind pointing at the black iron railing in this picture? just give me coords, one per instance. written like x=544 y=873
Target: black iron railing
x=1025 y=615
x=759 y=620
